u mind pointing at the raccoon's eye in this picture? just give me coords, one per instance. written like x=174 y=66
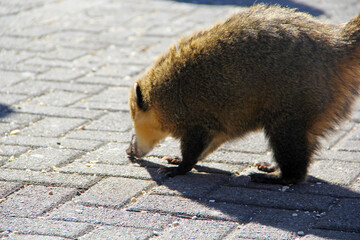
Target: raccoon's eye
x=139 y=98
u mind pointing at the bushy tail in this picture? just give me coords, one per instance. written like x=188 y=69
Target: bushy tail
x=352 y=31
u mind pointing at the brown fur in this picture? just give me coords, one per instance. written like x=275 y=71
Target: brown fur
x=265 y=68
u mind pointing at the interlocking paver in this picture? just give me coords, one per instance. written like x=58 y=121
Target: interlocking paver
x=43 y=227
x=258 y=231
x=113 y=192
x=61 y=74
x=6 y=188
x=330 y=171
x=108 y=121
x=277 y=199
x=43 y=159
x=110 y=216
x=32 y=201
x=105 y=136
x=191 y=185
x=111 y=153
x=78 y=144
x=65 y=72
x=344 y=216
x=109 y=232
x=47 y=178
x=201 y=229
x=58 y=98
x=52 y=127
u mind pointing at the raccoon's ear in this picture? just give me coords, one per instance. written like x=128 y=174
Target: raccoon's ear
x=139 y=97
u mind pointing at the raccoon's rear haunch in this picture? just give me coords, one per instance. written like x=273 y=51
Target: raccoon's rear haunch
x=267 y=68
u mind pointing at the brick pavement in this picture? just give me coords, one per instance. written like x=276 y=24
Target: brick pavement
x=65 y=69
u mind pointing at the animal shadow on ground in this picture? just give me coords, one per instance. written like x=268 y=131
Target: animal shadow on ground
x=5 y=110
x=247 y=3
x=286 y=211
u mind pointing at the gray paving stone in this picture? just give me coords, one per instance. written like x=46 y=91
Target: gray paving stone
x=44 y=227
x=11 y=56
x=259 y=231
x=323 y=188
x=52 y=127
x=107 y=136
x=10 y=78
x=46 y=64
x=356 y=117
x=6 y=128
x=21 y=67
x=17 y=118
x=108 y=106
x=335 y=172
x=338 y=155
x=34 y=32
x=276 y=199
x=13 y=43
x=3 y=160
x=110 y=216
x=128 y=171
x=203 y=209
x=355 y=135
x=52 y=111
x=47 y=178
x=17 y=236
x=43 y=159
x=58 y=99
x=7 y=188
x=8 y=150
x=116 y=121
x=78 y=144
x=102 y=80
x=113 y=192
x=191 y=185
x=119 y=105
x=109 y=232
x=119 y=71
x=349 y=145
x=61 y=74
x=343 y=217
x=64 y=54
x=28 y=87
x=254 y=143
x=115 y=94
x=10 y=99
x=196 y=229
x=33 y=201
x=73 y=87
x=292 y=221
x=111 y=153
x=320 y=234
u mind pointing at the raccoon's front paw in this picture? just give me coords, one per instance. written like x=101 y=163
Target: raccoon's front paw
x=171 y=171
x=266 y=167
x=174 y=160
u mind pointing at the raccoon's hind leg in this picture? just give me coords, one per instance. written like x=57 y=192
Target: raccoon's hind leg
x=291 y=150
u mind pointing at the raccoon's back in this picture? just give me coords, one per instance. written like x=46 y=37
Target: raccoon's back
x=262 y=61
